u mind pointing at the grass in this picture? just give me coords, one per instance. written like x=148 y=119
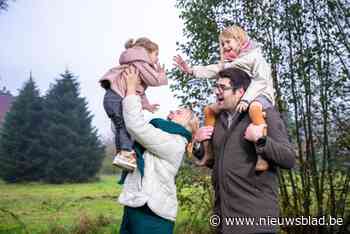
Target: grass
x=87 y=208
x=41 y=207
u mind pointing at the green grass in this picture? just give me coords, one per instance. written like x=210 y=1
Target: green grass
x=65 y=208
x=42 y=206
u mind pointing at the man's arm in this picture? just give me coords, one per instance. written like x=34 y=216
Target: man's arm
x=277 y=148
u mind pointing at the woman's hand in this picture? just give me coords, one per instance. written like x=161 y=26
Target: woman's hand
x=203 y=133
x=184 y=67
x=152 y=108
x=132 y=80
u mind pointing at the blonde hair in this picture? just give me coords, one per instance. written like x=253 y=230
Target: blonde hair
x=192 y=125
x=235 y=32
x=144 y=42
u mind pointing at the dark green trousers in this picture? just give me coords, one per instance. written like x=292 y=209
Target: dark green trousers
x=143 y=220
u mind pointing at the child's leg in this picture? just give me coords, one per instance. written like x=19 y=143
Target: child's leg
x=257 y=117
x=113 y=106
x=210 y=112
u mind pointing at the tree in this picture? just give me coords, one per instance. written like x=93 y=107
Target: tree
x=21 y=153
x=3 y=5
x=307 y=44
x=74 y=152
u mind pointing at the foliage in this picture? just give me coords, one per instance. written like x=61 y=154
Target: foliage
x=195 y=198
x=21 y=153
x=74 y=152
x=50 y=139
x=107 y=167
x=307 y=44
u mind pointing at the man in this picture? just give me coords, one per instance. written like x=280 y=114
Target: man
x=240 y=191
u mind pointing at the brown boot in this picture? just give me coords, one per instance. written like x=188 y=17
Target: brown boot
x=257 y=116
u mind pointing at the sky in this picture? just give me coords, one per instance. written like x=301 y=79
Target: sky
x=87 y=37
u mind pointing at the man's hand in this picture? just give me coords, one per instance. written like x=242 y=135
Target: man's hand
x=132 y=80
x=203 y=133
x=254 y=132
x=180 y=63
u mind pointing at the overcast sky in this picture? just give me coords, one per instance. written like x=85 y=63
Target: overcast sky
x=87 y=37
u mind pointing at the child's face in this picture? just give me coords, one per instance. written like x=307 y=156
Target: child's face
x=230 y=44
x=154 y=56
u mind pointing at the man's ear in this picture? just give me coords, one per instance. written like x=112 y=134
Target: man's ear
x=240 y=91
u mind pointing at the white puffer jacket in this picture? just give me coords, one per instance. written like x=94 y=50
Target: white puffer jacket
x=255 y=65
x=163 y=157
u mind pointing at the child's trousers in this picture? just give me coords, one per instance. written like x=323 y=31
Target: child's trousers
x=112 y=104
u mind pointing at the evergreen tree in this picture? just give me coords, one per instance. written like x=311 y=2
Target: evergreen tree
x=74 y=152
x=21 y=154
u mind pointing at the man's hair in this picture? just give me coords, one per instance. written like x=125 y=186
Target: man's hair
x=238 y=78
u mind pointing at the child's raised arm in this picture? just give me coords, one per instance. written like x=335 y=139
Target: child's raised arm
x=206 y=72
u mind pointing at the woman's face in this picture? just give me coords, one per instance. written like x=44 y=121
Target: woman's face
x=154 y=56
x=181 y=116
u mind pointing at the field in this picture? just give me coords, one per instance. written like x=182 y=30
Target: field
x=36 y=208
x=41 y=208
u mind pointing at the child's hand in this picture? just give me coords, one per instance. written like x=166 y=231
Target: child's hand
x=161 y=69
x=180 y=63
x=152 y=108
x=242 y=106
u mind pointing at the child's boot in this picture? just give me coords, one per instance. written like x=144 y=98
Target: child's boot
x=256 y=115
x=125 y=160
x=209 y=120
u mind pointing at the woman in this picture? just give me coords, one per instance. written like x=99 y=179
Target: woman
x=149 y=193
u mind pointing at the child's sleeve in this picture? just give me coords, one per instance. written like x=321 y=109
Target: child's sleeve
x=261 y=73
x=206 y=72
x=150 y=76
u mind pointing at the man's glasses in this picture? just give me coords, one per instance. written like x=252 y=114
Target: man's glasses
x=222 y=88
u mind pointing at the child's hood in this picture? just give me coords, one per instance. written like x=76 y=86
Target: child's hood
x=134 y=54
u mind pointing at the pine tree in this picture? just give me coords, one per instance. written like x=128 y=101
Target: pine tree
x=74 y=151
x=21 y=154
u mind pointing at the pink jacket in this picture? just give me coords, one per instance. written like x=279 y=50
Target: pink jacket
x=139 y=58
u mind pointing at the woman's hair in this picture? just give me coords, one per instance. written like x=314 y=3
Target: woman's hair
x=144 y=42
x=192 y=126
x=193 y=123
x=235 y=32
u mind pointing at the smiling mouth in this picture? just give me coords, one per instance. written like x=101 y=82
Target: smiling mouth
x=220 y=100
